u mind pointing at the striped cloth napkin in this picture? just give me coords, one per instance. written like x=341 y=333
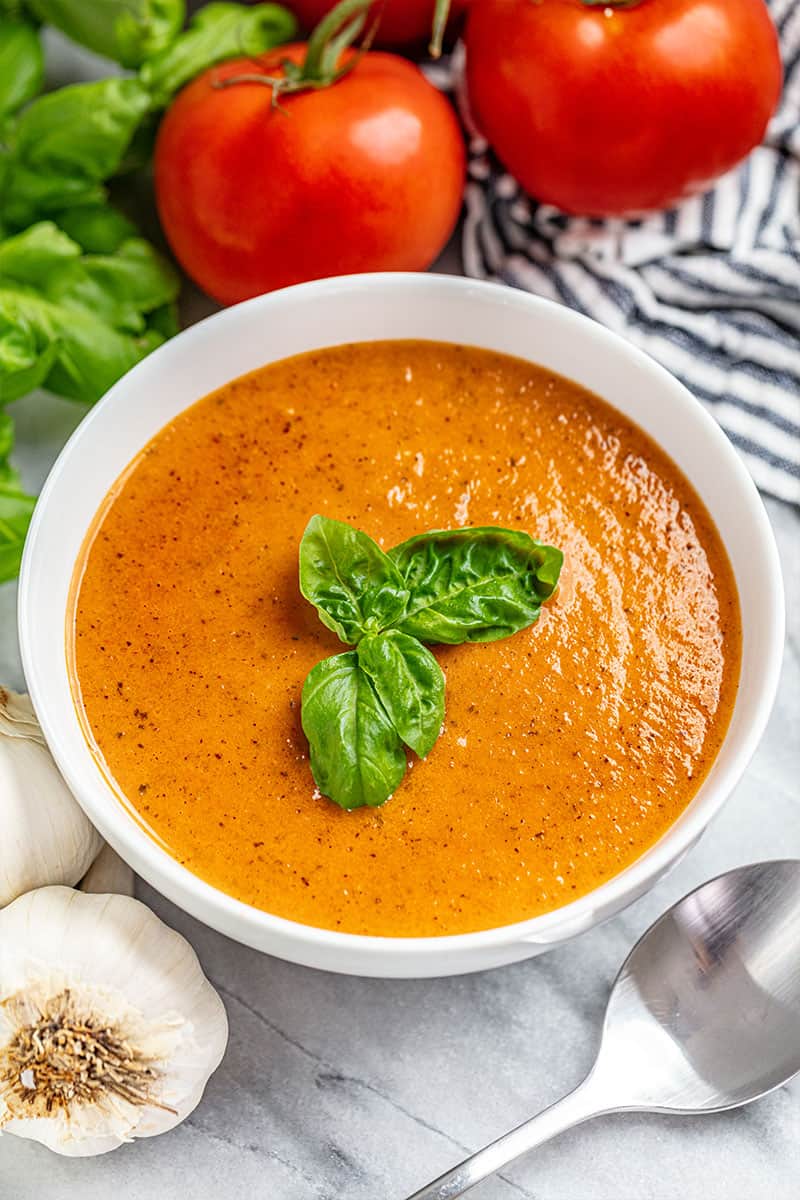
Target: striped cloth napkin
x=711 y=288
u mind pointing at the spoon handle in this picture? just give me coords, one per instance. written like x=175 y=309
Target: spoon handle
x=581 y=1105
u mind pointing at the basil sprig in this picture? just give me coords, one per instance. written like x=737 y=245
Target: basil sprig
x=408 y=682
x=474 y=585
x=21 y=63
x=355 y=587
x=357 y=755
x=360 y=708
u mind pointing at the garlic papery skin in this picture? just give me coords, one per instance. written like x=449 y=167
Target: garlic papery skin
x=45 y=837
x=109 y=1030
x=108 y=873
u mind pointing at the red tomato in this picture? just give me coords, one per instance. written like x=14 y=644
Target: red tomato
x=403 y=22
x=605 y=111
x=364 y=175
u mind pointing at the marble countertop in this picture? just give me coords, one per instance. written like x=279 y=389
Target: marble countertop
x=337 y=1088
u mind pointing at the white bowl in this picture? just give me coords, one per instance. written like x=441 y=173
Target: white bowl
x=364 y=308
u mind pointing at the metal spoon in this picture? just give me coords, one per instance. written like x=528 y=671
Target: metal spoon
x=704 y=1016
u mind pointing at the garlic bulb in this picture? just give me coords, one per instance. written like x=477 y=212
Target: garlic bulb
x=108 y=873
x=109 y=1029
x=46 y=837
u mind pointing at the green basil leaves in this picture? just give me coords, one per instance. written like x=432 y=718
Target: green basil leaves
x=409 y=683
x=218 y=31
x=21 y=63
x=75 y=322
x=474 y=585
x=360 y=708
x=357 y=756
x=353 y=585
x=63 y=146
x=16 y=507
x=129 y=32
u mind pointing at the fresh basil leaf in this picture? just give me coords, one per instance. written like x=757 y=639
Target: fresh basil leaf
x=90 y=356
x=357 y=757
x=74 y=322
x=409 y=683
x=16 y=510
x=118 y=288
x=33 y=256
x=217 y=32
x=474 y=585
x=26 y=357
x=164 y=321
x=63 y=145
x=21 y=64
x=6 y=441
x=354 y=586
x=84 y=355
x=129 y=31
x=97 y=228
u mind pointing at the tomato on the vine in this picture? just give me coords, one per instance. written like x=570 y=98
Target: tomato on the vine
x=263 y=180
x=623 y=106
x=402 y=22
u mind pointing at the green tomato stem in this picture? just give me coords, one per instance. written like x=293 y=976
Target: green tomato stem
x=319 y=69
x=440 y=15
x=336 y=31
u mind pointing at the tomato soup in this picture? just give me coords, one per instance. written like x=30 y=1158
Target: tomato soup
x=567 y=750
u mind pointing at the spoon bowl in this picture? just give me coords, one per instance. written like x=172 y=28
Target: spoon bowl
x=704 y=1016
x=705 y=1013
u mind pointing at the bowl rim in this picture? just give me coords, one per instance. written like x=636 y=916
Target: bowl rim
x=236 y=918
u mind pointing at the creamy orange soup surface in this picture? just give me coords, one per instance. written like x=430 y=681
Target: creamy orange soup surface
x=568 y=749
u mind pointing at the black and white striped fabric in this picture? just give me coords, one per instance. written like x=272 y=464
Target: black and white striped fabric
x=711 y=288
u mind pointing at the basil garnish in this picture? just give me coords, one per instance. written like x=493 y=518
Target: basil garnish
x=409 y=684
x=357 y=756
x=474 y=585
x=353 y=585
x=448 y=586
